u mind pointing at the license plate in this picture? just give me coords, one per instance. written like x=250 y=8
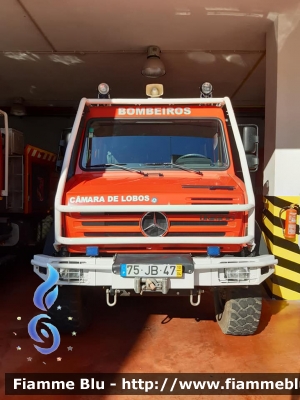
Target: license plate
x=153 y=271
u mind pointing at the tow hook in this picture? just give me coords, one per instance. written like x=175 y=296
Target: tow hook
x=193 y=303
x=108 y=294
x=151 y=284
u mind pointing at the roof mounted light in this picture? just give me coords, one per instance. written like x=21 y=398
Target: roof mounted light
x=154 y=90
x=103 y=91
x=206 y=89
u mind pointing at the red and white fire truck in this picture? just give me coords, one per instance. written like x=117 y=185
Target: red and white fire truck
x=150 y=200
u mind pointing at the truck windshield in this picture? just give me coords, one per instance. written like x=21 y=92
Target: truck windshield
x=197 y=144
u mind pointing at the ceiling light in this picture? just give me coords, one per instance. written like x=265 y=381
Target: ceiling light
x=153 y=67
x=18 y=107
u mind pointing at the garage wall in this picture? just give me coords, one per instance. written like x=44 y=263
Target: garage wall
x=42 y=132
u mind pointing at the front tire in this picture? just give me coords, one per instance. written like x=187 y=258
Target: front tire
x=238 y=310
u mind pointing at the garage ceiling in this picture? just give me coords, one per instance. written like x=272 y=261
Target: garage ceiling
x=55 y=52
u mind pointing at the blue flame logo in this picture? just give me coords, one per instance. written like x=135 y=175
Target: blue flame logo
x=38 y=300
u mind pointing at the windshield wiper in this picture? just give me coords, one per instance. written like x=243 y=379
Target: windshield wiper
x=178 y=166
x=119 y=166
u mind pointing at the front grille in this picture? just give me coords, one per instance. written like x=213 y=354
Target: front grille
x=205 y=200
x=129 y=224
x=112 y=234
x=198 y=223
x=211 y=234
x=137 y=234
x=110 y=223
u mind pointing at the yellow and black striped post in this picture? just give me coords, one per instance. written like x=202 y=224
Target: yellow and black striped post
x=285 y=282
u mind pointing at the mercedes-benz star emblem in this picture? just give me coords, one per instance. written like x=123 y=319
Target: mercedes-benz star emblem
x=154 y=224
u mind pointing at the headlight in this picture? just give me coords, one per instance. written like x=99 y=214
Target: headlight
x=237 y=274
x=70 y=274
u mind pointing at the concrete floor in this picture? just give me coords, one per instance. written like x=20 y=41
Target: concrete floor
x=147 y=335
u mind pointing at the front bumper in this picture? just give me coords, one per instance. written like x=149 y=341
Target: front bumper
x=207 y=271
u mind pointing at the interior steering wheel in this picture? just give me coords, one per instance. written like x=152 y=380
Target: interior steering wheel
x=190 y=155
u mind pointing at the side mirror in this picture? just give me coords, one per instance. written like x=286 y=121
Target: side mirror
x=250 y=143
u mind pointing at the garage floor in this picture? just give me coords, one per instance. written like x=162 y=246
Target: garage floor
x=147 y=335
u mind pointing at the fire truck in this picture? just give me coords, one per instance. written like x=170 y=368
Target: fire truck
x=155 y=198
x=27 y=183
